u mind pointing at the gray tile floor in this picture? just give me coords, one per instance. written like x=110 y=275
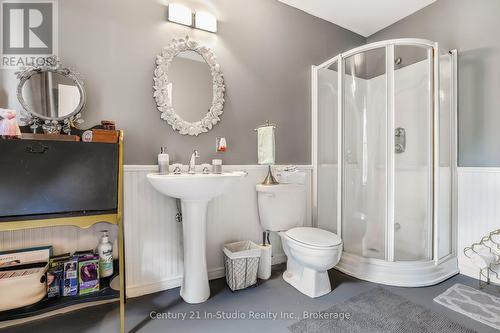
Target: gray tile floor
x=274 y=296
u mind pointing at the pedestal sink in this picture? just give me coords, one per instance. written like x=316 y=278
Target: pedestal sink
x=195 y=191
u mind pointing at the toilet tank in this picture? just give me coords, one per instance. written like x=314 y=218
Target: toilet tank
x=282 y=207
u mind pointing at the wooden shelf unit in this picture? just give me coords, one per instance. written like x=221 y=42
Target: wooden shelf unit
x=87 y=221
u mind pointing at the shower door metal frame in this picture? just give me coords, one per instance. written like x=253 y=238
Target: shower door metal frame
x=434 y=81
x=314 y=141
x=453 y=156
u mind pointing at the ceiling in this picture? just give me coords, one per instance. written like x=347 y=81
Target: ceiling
x=364 y=17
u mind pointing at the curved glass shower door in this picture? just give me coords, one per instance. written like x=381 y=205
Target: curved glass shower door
x=384 y=118
x=413 y=152
x=387 y=153
x=364 y=193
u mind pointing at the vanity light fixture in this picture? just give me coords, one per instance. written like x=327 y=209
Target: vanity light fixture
x=180 y=14
x=205 y=21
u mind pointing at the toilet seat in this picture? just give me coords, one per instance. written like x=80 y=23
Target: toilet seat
x=314 y=237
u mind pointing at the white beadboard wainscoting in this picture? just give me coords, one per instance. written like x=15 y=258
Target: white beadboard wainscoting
x=478 y=211
x=153 y=239
x=63 y=239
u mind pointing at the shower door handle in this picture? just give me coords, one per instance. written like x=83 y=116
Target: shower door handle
x=399 y=140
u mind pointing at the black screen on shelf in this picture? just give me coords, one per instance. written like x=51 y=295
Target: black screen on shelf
x=55 y=177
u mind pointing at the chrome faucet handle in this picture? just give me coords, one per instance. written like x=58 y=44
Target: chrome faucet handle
x=205 y=168
x=177 y=169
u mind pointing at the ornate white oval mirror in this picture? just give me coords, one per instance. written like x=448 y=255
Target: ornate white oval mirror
x=188 y=87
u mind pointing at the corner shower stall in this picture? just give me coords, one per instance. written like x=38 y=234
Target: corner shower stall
x=384 y=156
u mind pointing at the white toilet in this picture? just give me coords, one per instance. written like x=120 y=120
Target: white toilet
x=311 y=252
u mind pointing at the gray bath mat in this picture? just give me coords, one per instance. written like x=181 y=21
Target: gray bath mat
x=379 y=310
x=472 y=303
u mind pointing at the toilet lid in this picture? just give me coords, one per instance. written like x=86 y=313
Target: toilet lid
x=314 y=236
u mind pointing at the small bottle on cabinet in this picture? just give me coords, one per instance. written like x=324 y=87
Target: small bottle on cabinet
x=105 y=252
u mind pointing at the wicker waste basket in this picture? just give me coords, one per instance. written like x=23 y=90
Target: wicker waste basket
x=241 y=262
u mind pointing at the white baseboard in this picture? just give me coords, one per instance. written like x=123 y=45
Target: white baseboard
x=174 y=282
x=149 y=288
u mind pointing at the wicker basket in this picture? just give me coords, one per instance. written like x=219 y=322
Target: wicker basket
x=241 y=263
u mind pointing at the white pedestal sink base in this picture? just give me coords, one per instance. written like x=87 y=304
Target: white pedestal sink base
x=195 y=288
x=195 y=191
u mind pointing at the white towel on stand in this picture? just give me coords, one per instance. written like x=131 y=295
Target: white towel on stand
x=265 y=145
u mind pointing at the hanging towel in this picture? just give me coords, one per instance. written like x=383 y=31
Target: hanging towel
x=265 y=145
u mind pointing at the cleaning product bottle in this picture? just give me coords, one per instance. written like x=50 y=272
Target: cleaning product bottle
x=105 y=252
x=163 y=161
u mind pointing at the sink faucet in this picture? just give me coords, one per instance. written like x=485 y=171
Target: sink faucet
x=192 y=161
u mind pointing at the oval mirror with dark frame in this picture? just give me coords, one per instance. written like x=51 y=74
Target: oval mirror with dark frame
x=188 y=87
x=53 y=96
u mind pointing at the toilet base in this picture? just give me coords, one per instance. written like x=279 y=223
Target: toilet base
x=309 y=282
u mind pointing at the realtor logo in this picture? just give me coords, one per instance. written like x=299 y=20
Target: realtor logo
x=28 y=32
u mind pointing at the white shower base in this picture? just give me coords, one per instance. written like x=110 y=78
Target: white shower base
x=398 y=273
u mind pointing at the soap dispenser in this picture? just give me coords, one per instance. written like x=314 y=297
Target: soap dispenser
x=163 y=161
x=105 y=251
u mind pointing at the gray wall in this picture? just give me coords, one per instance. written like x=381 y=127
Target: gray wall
x=473 y=28
x=265 y=49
